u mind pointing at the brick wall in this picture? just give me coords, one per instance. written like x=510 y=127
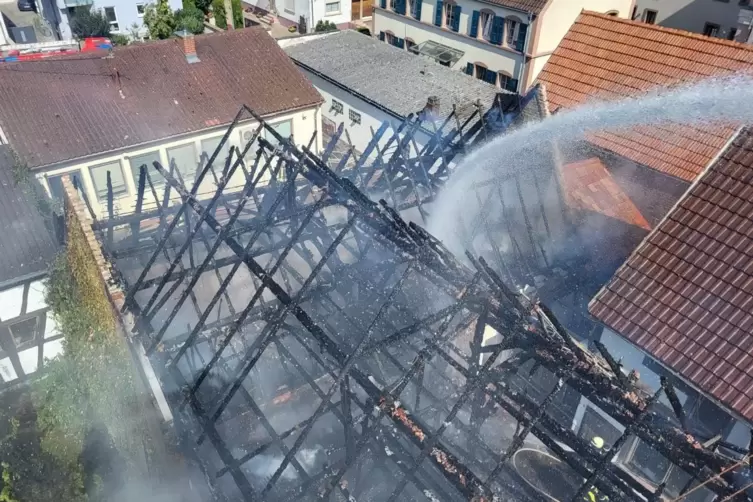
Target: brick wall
x=77 y=214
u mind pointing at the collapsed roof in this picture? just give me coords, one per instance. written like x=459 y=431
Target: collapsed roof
x=363 y=362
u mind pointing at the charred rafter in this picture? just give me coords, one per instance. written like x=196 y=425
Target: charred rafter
x=381 y=339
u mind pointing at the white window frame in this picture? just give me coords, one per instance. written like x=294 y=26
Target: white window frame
x=511 y=31
x=289 y=6
x=116 y=195
x=334 y=12
x=448 y=14
x=115 y=23
x=485 y=25
x=143 y=9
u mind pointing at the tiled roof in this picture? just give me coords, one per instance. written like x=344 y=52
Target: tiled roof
x=379 y=66
x=57 y=110
x=27 y=245
x=685 y=295
x=588 y=186
x=533 y=6
x=605 y=57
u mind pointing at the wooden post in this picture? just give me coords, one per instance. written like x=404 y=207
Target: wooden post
x=229 y=14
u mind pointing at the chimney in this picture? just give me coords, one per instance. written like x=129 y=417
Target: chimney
x=189 y=46
x=432 y=107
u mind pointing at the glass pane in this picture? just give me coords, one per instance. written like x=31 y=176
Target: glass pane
x=56 y=183
x=285 y=129
x=185 y=160
x=110 y=13
x=24 y=332
x=649 y=463
x=208 y=146
x=147 y=158
x=99 y=178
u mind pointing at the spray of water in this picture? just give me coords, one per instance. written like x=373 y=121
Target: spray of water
x=523 y=150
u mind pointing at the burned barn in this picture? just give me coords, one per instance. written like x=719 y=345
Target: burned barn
x=316 y=343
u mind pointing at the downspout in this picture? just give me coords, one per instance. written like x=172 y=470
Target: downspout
x=529 y=34
x=311 y=24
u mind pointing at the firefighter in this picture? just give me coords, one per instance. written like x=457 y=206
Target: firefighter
x=593 y=494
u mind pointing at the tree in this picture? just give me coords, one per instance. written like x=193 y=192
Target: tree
x=160 y=20
x=190 y=19
x=218 y=9
x=203 y=5
x=325 y=26
x=87 y=22
x=220 y=16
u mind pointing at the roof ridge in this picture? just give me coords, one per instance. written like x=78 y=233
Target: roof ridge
x=673 y=31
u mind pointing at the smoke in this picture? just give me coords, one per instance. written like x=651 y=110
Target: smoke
x=525 y=151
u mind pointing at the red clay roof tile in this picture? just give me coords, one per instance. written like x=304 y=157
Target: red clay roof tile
x=701 y=306
x=605 y=57
x=588 y=186
x=63 y=109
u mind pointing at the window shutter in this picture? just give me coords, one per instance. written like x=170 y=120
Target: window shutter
x=474 y=24
x=400 y=42
x=512 y=85
x=469 y=68
x=520 y=43
x=383 y=4
x=417 y=9
x=491 y=77
x=455 y=18
x=381 y=36
x=438 y=13
x=400 y=7
x=498 y=28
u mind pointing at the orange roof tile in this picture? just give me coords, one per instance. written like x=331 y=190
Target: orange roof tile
x=589 y=186
x=685 y=295
x=605 y=57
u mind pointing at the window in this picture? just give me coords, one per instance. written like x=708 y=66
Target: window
x=415 y=8
x=634 y=15
x=24 y=332
x=284 y=129
x=208 y=146
x=511 y=27
x=612 y=13
x=147 y=158
x=99 y=178
x=480 y=72
x=332 y=8
x=289 y=6
x=112 y=18
x=390 y=39
x=450 y=15
x=649 y=16
x=732 y=33
x=508 y=83
x=56 y=183
x=485 y=25
x=410 y=44
x=185 y=161
x=337 y=107
x=354 y=116
x=711 y=30
x=140 y=7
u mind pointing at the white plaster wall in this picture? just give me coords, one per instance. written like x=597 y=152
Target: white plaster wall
x=556 y=20
x=692 y=15
x=11 y=303
x=497 y=58
x=309 y=8
x=371 y=116
x=304 y=123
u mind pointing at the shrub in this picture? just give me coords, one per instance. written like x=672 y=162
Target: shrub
x=190 y=19
x=325 y=26
x=119 y=39
x=87 y=22
x=160 y=20
x=218 y=8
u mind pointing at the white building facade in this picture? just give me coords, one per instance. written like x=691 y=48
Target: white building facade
x=126 y=17
x=496 y=41
x=713 y=18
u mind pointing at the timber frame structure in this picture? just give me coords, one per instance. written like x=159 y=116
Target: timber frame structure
x=315 y=345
